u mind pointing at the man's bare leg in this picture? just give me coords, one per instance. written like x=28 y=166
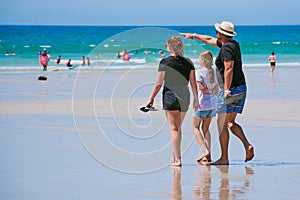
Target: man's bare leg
x=237 y=130
x=223 y=138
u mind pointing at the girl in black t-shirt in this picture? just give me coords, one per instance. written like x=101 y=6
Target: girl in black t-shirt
x=175 y=73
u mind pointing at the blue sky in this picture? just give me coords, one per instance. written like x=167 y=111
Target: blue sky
x=149 y=12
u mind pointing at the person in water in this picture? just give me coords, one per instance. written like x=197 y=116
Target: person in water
x=83 y=61
x=44 y=59
x=126 y=55
x=58 y=59
x=88 y=61
x=272 y=59
x=69 y=64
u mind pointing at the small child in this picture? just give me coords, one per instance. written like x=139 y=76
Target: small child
x=207 y=93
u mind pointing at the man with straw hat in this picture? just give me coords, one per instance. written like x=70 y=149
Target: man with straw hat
x=232 y=83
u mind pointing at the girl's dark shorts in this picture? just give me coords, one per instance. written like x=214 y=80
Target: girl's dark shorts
x=176 y=100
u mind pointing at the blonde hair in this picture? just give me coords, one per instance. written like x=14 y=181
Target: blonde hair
x=176 y=45
x=207 y=61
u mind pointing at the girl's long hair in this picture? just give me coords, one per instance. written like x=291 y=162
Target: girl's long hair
x=207 y=60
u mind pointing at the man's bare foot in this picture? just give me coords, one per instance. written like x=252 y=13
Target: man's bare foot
x=220 y=162
x=204 y=162
x=207 y=158
x=176 y=163
x=203 y=156
x=249 y=153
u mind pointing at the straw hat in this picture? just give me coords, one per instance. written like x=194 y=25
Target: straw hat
x=226 y=28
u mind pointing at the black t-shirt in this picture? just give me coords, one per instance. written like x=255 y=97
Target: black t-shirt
x=230 y=51
x=177 y=71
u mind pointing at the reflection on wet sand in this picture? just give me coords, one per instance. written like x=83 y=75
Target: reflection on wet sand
x=230 y=185
x=176 y=193
x=211 y=184
x=203 y=185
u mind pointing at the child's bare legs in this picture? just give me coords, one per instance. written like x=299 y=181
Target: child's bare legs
x=207 y=136
x=223 y=138
x=199 y=138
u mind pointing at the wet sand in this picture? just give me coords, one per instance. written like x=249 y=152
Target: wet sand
x=51 y=148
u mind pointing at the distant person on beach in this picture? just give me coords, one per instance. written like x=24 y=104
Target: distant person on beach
x=83 y=61
x=88 y=61
x=147 y=51
x=44 y=59
x=69 y=63
x=207 y=95
x=118 y=55
x=58 y=59
x=162 y=53
x=126 y=55
x=272 y=59
x=232 y=84
x=175 y=73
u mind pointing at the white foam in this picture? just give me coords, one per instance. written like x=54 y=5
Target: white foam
x=45 y=46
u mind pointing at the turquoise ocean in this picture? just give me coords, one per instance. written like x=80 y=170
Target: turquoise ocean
x=101 y=43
